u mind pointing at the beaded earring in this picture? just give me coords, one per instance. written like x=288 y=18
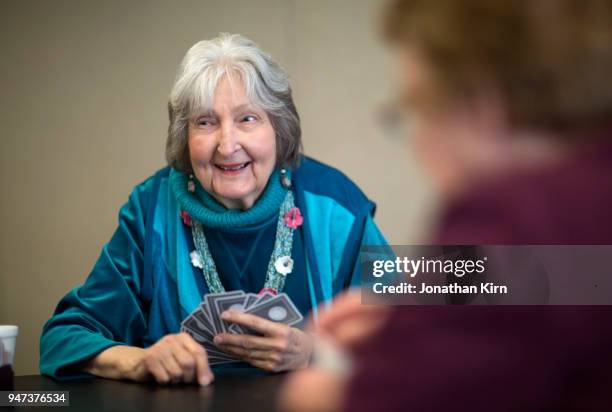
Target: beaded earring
x=285 y=180
x=191 y=184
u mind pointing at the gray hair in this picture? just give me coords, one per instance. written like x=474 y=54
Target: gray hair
x=266 y=84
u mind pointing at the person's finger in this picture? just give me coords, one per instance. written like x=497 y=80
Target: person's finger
x=267 y=365
x=203 y=372
x=186 y=362
x=251 y=341
x=256 y=323
x=346 y=308
x=265 y=355
x=157 y=370
x=172 y=367
x=354 y=331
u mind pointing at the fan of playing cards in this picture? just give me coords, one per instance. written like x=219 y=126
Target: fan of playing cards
x=205 y=322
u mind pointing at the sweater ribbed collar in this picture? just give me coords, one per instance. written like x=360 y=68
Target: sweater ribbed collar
x=201 y=206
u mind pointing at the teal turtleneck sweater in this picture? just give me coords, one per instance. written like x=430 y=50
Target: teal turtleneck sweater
x=203 y=207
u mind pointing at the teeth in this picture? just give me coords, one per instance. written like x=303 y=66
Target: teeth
x=242 y=166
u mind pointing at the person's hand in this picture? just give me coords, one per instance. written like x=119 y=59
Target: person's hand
x=280 y=348
x=174 y=358
x=349 y=323
x=312 y=390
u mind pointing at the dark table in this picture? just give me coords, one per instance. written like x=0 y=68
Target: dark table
x=227 y=393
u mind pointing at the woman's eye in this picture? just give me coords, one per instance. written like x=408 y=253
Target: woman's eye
x=204 y=122
x=249 y=118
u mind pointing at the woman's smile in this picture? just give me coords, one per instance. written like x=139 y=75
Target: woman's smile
x=232 y=169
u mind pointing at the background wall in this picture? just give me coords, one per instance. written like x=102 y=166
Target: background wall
x=83 y=119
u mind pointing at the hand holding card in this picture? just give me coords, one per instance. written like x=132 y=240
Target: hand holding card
x=234 y=326
x=272 y=345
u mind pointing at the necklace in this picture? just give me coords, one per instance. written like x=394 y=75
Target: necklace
x=280 y=264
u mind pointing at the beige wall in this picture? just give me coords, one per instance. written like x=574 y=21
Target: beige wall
x=84 y=87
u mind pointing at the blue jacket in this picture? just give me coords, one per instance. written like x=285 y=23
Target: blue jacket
x=139 y=289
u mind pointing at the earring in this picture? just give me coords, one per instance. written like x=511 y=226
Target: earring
x=191 y=184
x=285 y=180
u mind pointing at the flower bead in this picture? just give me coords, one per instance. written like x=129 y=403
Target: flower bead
x=284 y=265
x=186 y=218
x=196 y=259
x=269 y=290
x=293 y=218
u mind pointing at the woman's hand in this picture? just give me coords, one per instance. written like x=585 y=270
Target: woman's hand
x=280 y=348
x=349 y=323
x=174 y=358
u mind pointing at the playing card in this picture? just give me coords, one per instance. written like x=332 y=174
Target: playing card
x=255 y=300
x=215 y=357
x=277 y=309
x=218 y=354
x=203 y=316
x=193 y=324
x=216 y=360
x=213 y=310
x=205 y=341
x=250 y=300
x=208 y=344
x=204 y=309
x=235 y=303
x=262 y=298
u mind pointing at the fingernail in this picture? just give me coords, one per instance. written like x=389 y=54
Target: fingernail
x=206 y=379
x=226 y=315
x=218 y=339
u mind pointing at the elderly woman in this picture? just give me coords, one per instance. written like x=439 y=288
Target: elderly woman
x=237 y=195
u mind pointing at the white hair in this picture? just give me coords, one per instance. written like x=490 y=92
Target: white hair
x=266 y=85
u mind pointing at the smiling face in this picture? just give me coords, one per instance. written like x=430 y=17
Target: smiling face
x=232 y=148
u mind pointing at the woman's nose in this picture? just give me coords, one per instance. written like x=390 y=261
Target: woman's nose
x=228 y=141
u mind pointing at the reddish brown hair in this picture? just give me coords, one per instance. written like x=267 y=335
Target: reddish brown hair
x=551 y=59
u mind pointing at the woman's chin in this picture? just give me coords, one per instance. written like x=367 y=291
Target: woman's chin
x=235 y=199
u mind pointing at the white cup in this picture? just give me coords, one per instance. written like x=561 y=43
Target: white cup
x=8 y=336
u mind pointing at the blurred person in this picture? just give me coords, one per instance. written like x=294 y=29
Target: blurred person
x=238 y=179
x=510 y=110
